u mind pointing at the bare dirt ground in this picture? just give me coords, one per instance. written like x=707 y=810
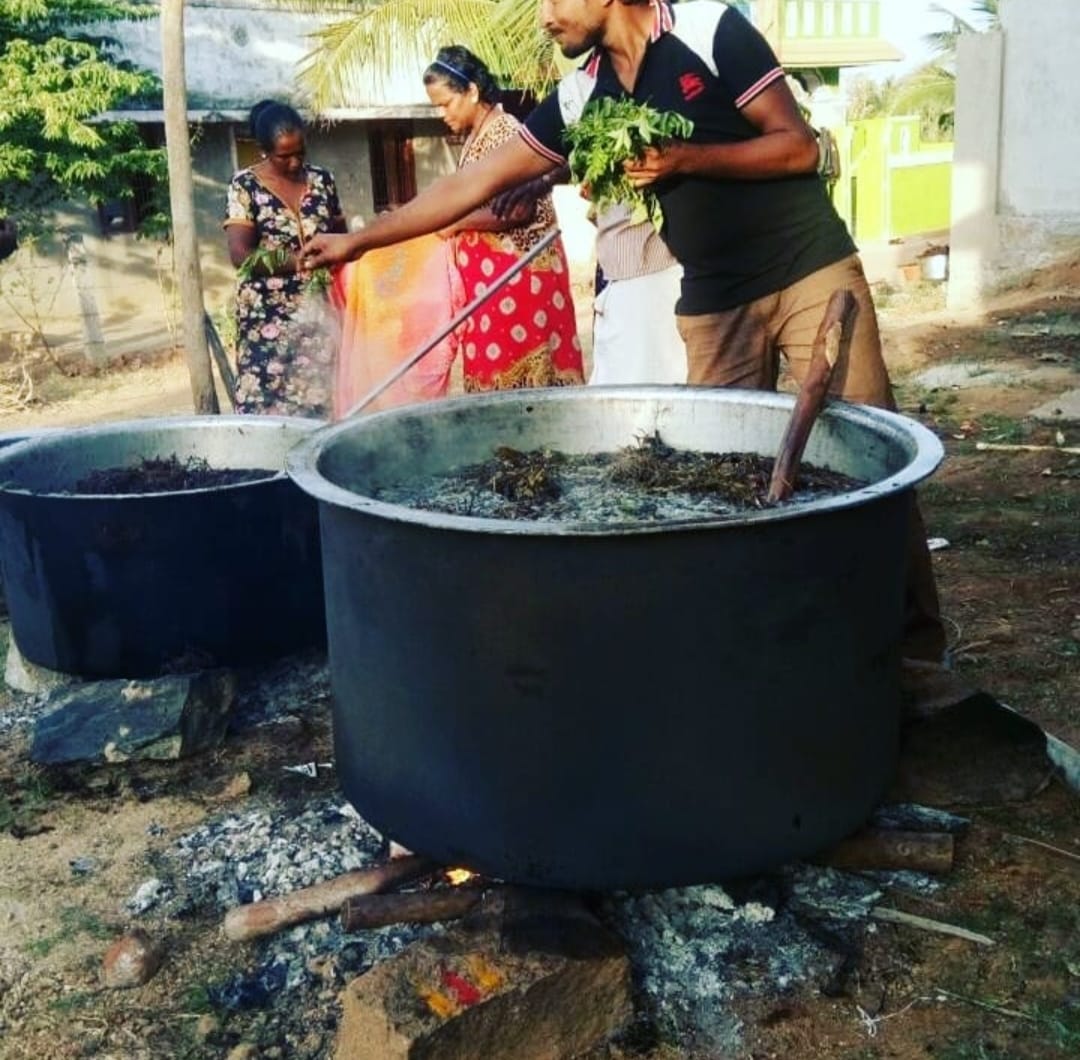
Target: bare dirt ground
x=1009 y=523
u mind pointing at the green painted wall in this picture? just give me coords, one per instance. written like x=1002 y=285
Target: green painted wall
x=892 y=183
x=921 y=199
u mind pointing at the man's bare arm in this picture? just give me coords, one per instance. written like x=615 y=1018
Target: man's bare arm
x=447 y=200
x=786 y=147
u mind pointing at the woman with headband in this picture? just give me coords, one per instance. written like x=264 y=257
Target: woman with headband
x=526 y=335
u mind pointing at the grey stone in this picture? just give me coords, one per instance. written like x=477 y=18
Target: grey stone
x=131 y=961
x=1064 y=408
x=116 y=721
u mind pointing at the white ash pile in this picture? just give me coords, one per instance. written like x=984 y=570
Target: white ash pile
x=241 y=858
x=293 y=687
x=695 y=950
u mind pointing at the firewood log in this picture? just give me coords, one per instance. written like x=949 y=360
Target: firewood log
x=322 y=899
x=876 y=848
x=419 y=907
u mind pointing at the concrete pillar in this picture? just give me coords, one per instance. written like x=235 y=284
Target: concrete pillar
x=93 y=337
x=973 y=241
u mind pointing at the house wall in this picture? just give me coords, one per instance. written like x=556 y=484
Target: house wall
x=241 y=51
x=237 y=52
x=1017 y=199
x=129 y=280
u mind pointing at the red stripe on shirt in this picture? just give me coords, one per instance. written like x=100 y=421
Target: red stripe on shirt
x=759 y=86
x=539 y=148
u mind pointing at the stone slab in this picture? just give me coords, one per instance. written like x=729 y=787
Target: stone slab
x=470 y=994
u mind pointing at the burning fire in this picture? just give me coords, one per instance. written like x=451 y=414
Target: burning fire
x=456 y=877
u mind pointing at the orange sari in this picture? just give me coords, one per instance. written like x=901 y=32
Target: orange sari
x=392 y=302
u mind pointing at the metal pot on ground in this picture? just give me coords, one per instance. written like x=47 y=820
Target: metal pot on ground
x=12 y=438
x=613 y=706
x=129 y=585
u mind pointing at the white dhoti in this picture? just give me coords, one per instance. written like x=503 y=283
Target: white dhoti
x=634 y=335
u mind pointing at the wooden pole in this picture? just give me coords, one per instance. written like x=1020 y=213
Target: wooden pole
x=182 y=206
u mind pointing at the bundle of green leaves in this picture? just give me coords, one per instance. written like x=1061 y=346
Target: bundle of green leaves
x=611 y=132
x=265 y=261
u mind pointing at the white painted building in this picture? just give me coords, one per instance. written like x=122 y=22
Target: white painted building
x=1016 y=193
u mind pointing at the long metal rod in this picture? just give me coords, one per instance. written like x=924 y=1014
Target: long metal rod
x=221 y=359
x=460 y=319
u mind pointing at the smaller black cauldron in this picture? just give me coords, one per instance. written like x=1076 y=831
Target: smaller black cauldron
x=133 y=585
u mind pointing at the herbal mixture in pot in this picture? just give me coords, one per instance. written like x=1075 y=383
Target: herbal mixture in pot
x=650 y=482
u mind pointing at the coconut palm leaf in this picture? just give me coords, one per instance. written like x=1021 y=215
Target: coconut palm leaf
x=868 y=98
x=382 y=34
x=930 y=88
x=929 y=92
x=534 y=63
x=943 y=43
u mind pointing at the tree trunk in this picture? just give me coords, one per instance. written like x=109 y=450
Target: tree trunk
x=182 y=204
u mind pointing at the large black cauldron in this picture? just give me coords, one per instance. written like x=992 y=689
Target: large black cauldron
x=614 y=706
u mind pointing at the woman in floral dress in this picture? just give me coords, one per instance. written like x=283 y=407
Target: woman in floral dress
x=526 y=334
x=286 y=337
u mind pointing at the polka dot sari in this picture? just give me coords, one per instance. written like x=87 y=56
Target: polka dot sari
x=526 y=334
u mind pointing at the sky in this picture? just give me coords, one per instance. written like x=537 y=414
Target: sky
x=904 y=23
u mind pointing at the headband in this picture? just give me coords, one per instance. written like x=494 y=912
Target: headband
x=454 y=70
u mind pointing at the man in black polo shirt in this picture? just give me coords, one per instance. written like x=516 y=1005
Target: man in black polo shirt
x=745 y=212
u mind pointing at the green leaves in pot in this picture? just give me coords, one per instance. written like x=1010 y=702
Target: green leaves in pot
x=610 y=132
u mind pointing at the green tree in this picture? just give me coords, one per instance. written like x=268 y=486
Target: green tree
x=867 y=98
x=57 y=74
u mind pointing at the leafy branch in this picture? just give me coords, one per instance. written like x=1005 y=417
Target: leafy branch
x=611 y=132
x=265 y=261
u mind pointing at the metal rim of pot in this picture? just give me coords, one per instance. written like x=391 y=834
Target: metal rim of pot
x=302 y=463
x=61 y=438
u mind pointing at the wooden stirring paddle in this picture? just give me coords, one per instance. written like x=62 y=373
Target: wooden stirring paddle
x=833 y=340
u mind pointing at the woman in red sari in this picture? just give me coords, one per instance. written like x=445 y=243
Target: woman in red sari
x=526 y=334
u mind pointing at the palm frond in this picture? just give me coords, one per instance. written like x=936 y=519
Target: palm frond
x=526 y=55
x=367 y=46
x=943 y=42
x=929 y=91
